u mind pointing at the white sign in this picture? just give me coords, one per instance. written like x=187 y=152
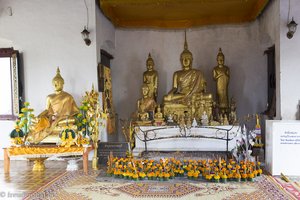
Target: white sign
x=283 y=147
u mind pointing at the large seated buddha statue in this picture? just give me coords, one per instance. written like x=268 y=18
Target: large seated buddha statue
x=60 y=112
x=188 y=93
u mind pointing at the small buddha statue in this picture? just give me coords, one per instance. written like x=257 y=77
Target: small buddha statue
x=60 y=110
x=144 y=116
x=170 y=119
x=150 y=78
x=232 y=114
x=158 y=117
x=225 y=120
x=215 y=111
x=146 y=103
x=194 y=124
x=221 y=75
x=221 y=119
x=204 y=119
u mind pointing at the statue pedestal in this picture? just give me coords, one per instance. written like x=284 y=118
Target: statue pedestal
x=164 y=138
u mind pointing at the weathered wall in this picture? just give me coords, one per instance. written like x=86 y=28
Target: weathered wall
x=48 y=35
x=269 y=36
x=240 y=45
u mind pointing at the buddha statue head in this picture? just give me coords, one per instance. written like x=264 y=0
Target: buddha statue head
x=58 y=81
x=220 y=58
x=150 y=63
x=186 y=57
x=145 y=90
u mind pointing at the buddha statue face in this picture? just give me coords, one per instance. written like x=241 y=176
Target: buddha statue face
x=186 y=60
x=220 y=60
x=58 y=81
x=58 y=85
x=145 y=91
x=150 y=65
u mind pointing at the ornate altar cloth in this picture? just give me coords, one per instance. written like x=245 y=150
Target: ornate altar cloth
x=166 y=138
x=43 y=152
x=47 y=151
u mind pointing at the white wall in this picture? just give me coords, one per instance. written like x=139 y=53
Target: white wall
x=47 y=33
x=270 y=35
x=240 y=45
x=289 y=62
x=105 y=34
x=105 y=40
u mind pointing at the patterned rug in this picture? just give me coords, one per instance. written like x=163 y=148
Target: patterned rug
x=76 y=185
x=292 y=187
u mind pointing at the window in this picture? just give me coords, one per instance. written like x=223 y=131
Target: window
x=9 y=83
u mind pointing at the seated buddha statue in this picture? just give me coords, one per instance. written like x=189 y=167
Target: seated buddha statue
x=159 y=117
x=189 y=89
x=143 y=118
x=60 y=111
x=146 y=103
x=145 y=107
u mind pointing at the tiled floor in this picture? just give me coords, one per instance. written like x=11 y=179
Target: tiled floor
x=22 y=180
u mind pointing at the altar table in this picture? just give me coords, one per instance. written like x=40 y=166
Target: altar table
x=44 y=152
x=174 y=138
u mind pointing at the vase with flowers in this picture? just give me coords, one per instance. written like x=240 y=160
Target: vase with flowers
x=22 y=125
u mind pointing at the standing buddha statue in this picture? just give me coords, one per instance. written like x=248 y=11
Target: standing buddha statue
x=221 y=75
x=150 y=78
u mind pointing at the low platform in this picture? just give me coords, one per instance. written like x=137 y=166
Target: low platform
x=166 y=138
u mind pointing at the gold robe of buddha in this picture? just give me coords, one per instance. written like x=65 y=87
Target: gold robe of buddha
x=150 y=78
x=187 y=81
x=60 y=110
x=188 y=93
x=146 y=103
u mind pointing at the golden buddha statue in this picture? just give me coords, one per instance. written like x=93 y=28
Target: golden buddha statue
x=221 y=75
x=188 y=93
x=150 y=78
x=159 y=117
x=60 y=111
x=145 y=107
x=144 y=118
x=146 y=103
